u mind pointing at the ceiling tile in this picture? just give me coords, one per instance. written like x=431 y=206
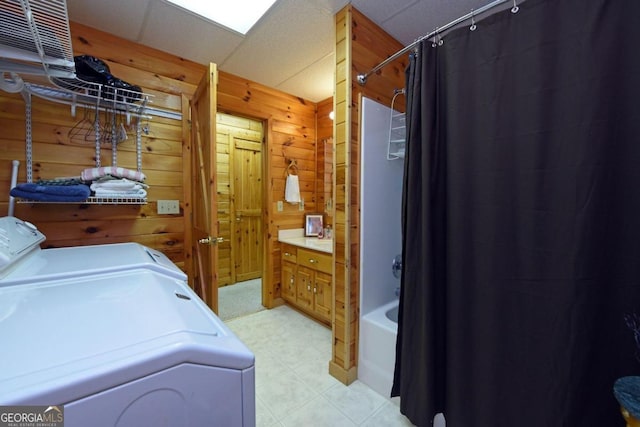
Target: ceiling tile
x=117 y=17
x=330 y=6
x=381 y=10
x=186 y=35
x=423 y=17
x=315 y=83
x=290 y=38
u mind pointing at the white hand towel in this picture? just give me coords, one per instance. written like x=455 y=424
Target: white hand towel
x=292 y=189
x=122 y=184
x=115 y=194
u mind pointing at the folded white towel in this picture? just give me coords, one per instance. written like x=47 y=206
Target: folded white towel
x=122 y=184
x=115 y=194
x=292 y=189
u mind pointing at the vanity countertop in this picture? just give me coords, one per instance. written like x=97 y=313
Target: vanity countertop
x=296 y=237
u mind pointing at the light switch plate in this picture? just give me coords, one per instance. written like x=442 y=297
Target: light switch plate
x=301 y=205
x=280 y=206
x=168 y=207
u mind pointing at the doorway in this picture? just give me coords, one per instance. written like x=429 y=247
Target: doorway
x=239 y=159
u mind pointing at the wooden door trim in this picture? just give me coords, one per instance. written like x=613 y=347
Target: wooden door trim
x=232 y=211
x=187 y=213
x=268 y=234
x=204 y=224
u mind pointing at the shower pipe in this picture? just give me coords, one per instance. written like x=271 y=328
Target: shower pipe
x=362 y=78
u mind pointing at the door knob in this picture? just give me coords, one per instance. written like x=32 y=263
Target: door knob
x=211 y=240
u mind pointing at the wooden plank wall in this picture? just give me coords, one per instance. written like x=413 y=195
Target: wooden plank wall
x=360 y=45
x=324 y=158
x=55 y=153
x=290 y=131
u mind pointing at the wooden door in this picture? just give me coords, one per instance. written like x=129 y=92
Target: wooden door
x=247 y=209
x=204 y=223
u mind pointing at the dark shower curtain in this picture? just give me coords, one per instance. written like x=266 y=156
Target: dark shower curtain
x=521 y=218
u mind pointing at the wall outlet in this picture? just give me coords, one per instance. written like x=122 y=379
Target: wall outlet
x=168 y=207
x=280 y=206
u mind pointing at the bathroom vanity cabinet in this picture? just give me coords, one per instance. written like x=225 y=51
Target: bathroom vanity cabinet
x=306 y=281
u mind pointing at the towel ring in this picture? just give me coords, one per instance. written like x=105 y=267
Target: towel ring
x=293 y=167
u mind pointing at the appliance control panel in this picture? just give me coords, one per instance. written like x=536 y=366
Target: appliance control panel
x=17 y=238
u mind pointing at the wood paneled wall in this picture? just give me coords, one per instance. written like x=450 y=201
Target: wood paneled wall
x=360 y=46
x=290 y=131
x=56 y=154
x=324 y=160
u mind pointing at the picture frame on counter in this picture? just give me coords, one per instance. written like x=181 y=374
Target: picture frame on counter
x=313 y=225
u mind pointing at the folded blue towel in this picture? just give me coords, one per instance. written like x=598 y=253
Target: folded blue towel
x=52 y=193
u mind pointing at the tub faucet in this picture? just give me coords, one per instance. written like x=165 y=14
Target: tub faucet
x=396 y=266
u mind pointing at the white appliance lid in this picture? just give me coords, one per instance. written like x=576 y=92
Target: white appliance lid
x=56 y=263
x=79 y=336
x=17 y=240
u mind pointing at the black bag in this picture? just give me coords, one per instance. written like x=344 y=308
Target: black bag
x=125 y=92
x=91 y=69
x=94 y=70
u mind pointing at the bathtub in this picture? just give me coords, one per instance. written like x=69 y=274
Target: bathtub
x=377 y=351
x=377 y=348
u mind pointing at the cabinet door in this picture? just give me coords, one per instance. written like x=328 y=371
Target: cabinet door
x=322 y=295
x=304 y=285
x=289 y=281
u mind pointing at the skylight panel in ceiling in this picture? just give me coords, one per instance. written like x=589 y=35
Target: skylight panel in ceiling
x=238 y=15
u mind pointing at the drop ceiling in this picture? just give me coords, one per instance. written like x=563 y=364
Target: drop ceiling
x=289 y=49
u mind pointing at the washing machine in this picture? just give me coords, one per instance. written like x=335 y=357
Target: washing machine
x=114 y=334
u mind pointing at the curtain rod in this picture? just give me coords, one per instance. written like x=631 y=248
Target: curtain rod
x=362 y=78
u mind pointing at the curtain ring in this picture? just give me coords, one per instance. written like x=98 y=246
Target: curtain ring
x=473 y=22
x=515 y=7
x=437 y=39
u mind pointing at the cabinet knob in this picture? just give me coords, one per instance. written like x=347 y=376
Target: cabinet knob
x=287 y=254
x=314 y=290
x=292 y=279
x=311 y=260
x=308 y=287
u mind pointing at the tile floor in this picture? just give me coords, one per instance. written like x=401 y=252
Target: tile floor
x=293 y=385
